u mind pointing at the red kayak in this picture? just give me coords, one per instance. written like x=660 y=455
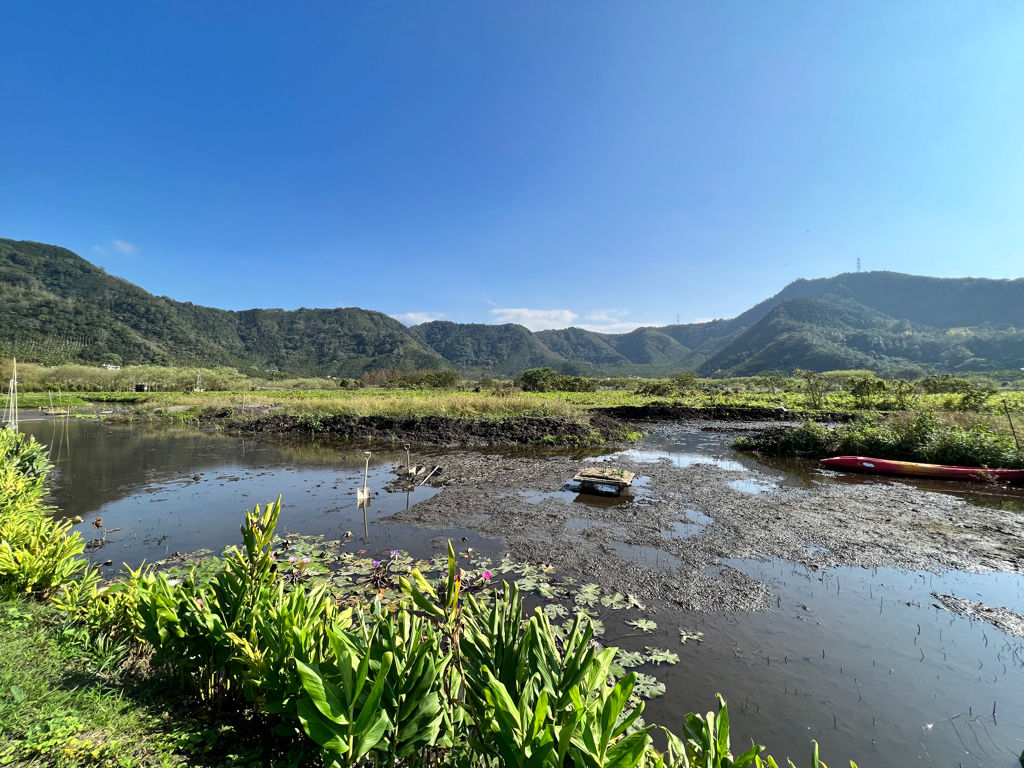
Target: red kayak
x=887 y=467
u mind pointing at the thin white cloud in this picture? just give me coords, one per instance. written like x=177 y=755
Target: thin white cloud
x=607 y=315
x=622 y=327
x=124 y=247
x=535 y=319
x=99 y=250
x=415 y=318
x=702 y=320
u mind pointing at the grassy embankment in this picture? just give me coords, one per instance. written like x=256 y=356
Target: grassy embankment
x=389 y=671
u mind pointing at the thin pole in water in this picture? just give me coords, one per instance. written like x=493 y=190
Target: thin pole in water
x=1014 y=431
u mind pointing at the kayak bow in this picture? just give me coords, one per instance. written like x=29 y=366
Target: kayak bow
x=914 y=469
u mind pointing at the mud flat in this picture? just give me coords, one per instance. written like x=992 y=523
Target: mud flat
x=1001 y=618
x=670 y=538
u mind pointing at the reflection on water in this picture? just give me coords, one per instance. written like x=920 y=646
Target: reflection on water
x=863 y=660
x=752 y=485
x=684 y=448
x=693 y=523
x=570 y=493
x=182 y=490
x=649 y=557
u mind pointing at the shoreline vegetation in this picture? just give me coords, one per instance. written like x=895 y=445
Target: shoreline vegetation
x=545 y=408
x=261 y=657
x=922 y=438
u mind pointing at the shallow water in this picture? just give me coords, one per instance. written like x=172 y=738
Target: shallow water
x=861 y=660
x=145 y=484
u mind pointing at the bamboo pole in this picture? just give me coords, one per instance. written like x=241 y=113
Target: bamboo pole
x=1014 y=431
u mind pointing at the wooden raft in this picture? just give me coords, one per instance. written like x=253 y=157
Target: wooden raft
x=598 y=479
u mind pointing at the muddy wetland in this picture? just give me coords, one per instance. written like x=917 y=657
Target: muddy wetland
x=879 y=617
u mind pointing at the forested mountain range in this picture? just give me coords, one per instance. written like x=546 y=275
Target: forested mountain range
x=55 y=306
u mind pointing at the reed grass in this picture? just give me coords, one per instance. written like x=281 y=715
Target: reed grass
x=392 y=404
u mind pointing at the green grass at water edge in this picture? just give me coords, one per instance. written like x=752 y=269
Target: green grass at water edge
x=923 y=438
x=65 y=700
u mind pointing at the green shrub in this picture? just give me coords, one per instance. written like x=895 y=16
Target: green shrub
x=921 y=439
x=549 y=380
x=37 y=556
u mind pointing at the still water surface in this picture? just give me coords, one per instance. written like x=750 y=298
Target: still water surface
x=861 y=660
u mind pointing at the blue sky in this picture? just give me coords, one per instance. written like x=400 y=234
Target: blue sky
x=600 y=164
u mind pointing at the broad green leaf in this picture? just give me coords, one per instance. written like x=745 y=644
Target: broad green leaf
x=648 y=686
x=644 y=625
x=588 y=595
x=661 y=655
x=689 y=634
x=616 y=602
x=629 y=658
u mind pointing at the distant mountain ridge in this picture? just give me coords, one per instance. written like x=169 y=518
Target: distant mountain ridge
x=55 y=305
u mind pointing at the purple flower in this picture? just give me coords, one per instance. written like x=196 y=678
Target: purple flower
x=394 y=554
x=486 y=575
x=595 y=645
x=291 y=559
x=199 y=603
x=376 y=563
x=273 y=556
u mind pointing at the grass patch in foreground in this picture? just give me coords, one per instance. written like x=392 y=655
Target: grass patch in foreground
x=67 y=701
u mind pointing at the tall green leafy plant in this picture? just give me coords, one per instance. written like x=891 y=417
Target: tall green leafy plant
x=37 y=553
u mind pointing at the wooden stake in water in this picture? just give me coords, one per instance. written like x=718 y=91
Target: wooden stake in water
x=1014 y=431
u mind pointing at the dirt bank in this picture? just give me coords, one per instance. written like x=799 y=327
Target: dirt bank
x=681 y=413
x=523 y=500
x=593 y=429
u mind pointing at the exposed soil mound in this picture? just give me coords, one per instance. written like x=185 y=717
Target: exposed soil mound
x=671 y=412
x=435 y=430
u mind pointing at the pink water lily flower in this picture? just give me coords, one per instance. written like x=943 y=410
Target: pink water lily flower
x=291 y=559
x=486 y=575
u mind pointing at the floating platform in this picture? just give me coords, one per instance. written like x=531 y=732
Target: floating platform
x=604 y=480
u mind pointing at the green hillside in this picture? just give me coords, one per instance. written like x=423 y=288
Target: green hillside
x=491 y=350
x=57 y=307
x=838 y=334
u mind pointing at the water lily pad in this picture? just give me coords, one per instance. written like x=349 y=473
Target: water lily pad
x=588 y=595
x=644 y=625
x=689 y=634
x=661 y=655
x=555 y=610
x=648 y=686
x=629 y=658
x=616 y=602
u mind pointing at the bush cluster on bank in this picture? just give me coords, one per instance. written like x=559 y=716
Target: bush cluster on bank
x=922 y=439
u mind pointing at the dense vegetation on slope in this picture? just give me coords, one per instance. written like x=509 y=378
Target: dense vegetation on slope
x=57 y=307
x=55 y=304
x=494 y=350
